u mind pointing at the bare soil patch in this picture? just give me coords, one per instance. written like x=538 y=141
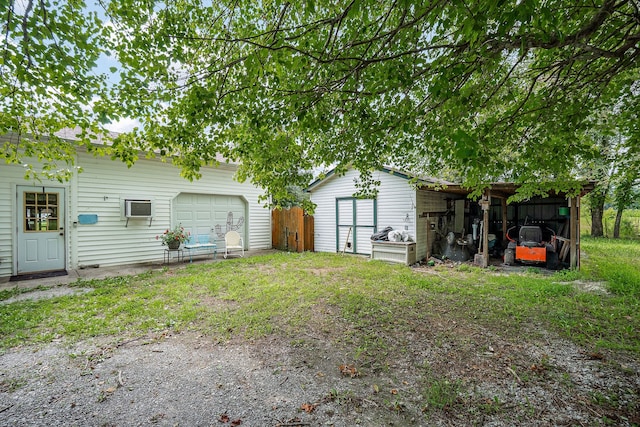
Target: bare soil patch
x=56 y=291
x=438 y=373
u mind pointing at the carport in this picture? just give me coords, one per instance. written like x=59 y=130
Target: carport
x=557 y=211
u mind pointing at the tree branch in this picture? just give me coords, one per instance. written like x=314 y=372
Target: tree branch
x=6 y=36
x=25 y=32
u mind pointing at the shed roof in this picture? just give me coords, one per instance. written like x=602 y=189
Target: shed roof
x=508 y=189
x=422 y=180
x=497 y=189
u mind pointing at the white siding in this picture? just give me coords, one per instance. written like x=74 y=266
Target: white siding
x=345 y=211
x=112 y=242
x=395 y=206
x=365 y=218
x=365 y=211
x=101 y=189
x=9 y=175
x=344 y=234
x=324 y=217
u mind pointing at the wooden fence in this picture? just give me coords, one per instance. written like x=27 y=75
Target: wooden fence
x=291 y=230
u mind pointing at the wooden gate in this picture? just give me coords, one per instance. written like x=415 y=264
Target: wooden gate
x=291 y=230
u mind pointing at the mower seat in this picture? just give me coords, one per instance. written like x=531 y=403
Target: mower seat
x=530 y=236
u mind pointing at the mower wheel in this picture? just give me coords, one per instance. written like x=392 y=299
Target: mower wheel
x=552 y=260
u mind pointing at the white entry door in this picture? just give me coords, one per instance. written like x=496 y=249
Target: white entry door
x=40 y=229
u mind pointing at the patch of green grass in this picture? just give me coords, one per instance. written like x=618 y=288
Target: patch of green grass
x=8 y=293
x=127 y=305
x=441 y=393
x=9 y=385
x=518 y=302
x=493 y=406
x=617 y=261
x=367 y=306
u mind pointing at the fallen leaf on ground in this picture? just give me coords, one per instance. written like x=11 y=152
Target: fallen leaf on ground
x=308 y=407
x=596 y=355
x=349 y=370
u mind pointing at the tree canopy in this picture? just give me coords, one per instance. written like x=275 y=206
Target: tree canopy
x=48 y=82
x=495 y=90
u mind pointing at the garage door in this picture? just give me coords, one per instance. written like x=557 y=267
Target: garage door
x=356 y=222
x=211 y=214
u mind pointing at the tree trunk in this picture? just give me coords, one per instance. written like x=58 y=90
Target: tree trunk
x=597 y=211
x=616 y=227
x=624 y=196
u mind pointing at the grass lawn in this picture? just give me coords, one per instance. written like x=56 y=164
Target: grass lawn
x=283 y=293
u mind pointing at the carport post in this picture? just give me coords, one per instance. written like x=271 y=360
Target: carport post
x=504 y=218
x=573 y=232
x=429 y=242
x=485 y=204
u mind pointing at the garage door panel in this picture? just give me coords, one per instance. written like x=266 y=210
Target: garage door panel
x=185 y=200
x=235 y=205
x=210 y=214
x=203 y=200
x=203 y=215
x=184 y=216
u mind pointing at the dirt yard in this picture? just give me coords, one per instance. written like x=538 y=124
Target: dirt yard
x=440 y=374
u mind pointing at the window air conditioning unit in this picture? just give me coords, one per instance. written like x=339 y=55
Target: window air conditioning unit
x=137 y=208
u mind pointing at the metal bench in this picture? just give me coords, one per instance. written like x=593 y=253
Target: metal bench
x=201 y=243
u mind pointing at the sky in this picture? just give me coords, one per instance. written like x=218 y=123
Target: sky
x=104 y=64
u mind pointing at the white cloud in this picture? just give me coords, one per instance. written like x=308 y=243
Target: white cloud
x=123 y=125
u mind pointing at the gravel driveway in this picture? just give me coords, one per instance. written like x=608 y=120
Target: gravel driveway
x=169 y=380
x=188 y=380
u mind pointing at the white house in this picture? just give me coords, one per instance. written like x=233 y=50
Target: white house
x=111 y=215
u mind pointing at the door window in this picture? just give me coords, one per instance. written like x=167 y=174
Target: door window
x=41 y=211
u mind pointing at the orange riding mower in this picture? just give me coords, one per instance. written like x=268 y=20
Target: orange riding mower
x=531 y=247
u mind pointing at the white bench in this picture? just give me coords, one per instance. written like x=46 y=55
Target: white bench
x=199 y=244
